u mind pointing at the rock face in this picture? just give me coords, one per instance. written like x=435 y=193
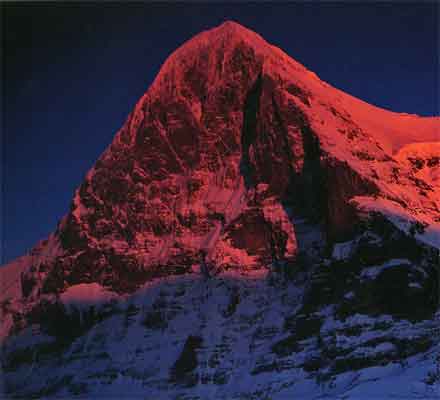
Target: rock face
x=240 y=159
x=231 y=135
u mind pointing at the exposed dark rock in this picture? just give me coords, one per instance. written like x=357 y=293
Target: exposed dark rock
x=182 y=369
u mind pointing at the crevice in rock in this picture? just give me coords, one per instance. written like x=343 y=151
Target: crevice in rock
x=307 y=190
x=248 y=133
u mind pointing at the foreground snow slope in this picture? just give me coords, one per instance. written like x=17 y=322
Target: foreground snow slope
x=237 y=328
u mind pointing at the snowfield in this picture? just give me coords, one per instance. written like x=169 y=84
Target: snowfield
x=132 y=352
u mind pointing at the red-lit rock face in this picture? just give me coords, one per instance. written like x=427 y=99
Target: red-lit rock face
x=231 y=137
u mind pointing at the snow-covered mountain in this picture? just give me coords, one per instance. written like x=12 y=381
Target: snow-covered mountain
x=251 y=232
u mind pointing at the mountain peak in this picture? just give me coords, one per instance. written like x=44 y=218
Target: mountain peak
x=208 y=52
x=232 y=28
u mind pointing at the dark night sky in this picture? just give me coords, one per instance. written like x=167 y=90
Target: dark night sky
x=72 y=73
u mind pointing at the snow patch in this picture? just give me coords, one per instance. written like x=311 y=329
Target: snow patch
x=374 y=272
x=85 y=295
x=402 y=218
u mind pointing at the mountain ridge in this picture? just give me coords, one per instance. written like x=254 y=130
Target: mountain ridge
x=231 y=28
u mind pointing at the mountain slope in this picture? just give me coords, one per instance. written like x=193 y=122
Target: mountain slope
x=239 y=163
